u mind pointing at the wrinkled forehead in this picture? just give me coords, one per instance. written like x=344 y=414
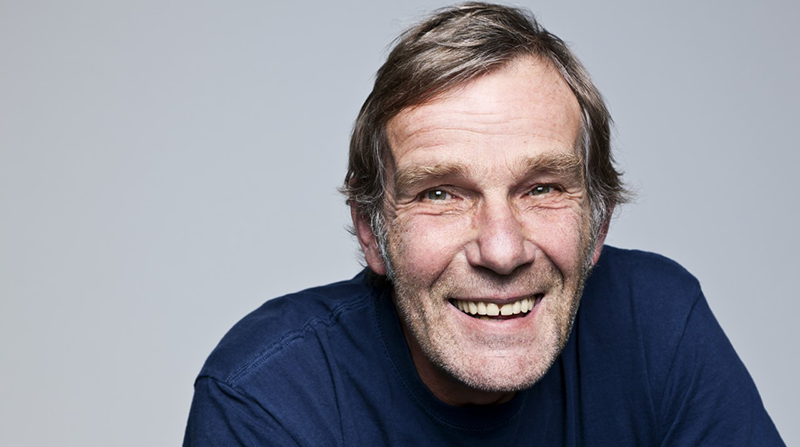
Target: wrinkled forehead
x=526 y=98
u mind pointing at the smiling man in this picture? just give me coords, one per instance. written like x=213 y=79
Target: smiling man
x=488 y=217
x=481 y=186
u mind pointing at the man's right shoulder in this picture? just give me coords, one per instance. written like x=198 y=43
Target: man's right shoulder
x=283 y=326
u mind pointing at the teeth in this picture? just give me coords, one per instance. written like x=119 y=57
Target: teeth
x=473 y=308
x=482 y=309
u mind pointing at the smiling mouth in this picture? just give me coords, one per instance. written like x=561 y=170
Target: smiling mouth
x=492 y=311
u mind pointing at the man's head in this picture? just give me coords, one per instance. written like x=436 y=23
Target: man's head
x=481 y=181
x=449 y=49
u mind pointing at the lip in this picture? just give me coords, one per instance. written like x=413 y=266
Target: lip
x=504 y=325
x=537 y=296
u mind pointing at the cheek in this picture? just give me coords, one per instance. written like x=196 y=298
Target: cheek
x=561 y=236
x=424 y=246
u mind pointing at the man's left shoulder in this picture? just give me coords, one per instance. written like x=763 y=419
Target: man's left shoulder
x=645 y=279
x=652 y=271
x=638 y=300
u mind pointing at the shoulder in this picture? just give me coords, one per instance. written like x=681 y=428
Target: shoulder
x=637 y=304
x=653 y=286
x=285 y=325
x=644 y=269
x=285 y=367
x=646 y=339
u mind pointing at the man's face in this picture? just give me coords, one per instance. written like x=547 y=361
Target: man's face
x=488 y=228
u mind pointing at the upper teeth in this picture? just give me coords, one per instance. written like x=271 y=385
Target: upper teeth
x=484 y=308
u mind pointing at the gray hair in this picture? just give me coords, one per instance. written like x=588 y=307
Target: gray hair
x=451 y=47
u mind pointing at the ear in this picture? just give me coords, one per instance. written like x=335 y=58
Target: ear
x=601 y=238
x=367 y=240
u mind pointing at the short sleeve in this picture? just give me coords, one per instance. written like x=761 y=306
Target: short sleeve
x=222 y=416
x=709 y=397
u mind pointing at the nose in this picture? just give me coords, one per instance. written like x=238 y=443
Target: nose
x=500 y=244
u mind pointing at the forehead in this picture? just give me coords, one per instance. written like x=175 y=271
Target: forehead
x=524 y=102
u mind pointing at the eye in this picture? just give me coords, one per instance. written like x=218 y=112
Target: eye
x=437 y=194
x=541 y=189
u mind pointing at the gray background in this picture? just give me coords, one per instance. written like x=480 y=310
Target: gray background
x=167 y=166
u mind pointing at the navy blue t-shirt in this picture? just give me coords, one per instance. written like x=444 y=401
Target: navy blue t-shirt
x=647 y=364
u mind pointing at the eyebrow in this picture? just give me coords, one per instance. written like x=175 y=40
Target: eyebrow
x=412 y=175
x=568 y=165
x=558 y=164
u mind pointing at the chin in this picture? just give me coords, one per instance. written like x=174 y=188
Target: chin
x=490 y=355
x=498 y=370
x=502 y=375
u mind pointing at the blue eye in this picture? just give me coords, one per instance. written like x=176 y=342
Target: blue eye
x=436 y=194
x=541 y=189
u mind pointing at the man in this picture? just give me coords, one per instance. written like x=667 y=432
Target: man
x=481 y=186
